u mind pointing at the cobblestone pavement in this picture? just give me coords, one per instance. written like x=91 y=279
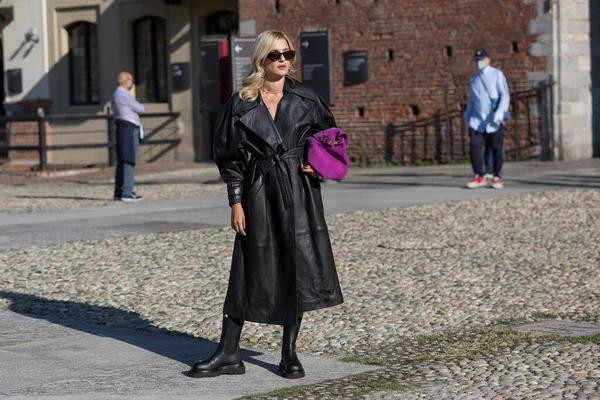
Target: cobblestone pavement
x=415 y=279
x=63 y=196
x=527 y=371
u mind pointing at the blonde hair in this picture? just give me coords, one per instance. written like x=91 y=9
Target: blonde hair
x=253 y=82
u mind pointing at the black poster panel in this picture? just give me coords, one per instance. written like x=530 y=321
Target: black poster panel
x=180 y=73
x=241 y=60
x=210 y=76
x=316 y=63
x=356 y=67
x=14 y=81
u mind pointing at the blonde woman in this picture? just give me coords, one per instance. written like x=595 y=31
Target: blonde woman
x=282 y=263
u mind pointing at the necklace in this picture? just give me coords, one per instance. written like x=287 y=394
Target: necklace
x=270 y=93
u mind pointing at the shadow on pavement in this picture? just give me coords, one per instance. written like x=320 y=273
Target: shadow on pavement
x=568 y=183
x=577 y=177
x=154 y=182
x=415 y=175
x=125 y=326
x=64 y=198
x=558 y=181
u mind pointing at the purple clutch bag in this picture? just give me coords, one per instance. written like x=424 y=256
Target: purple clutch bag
x=326 y=152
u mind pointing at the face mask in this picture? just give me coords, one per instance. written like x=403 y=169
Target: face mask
x=481 y=64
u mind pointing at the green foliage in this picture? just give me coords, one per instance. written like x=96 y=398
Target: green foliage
x=544 y=315
x=585 y=339
x=424 y=163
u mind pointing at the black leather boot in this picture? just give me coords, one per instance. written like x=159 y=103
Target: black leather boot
x=290 y=366
x=228 y=357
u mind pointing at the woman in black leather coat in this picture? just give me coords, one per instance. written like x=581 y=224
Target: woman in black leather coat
x=282 y=262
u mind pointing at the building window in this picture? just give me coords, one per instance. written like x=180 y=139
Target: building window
x=150 y=51
x=83 y=63
x=222 y=23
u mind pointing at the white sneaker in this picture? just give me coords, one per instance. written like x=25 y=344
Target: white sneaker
x=497 y=183
x=477 y=182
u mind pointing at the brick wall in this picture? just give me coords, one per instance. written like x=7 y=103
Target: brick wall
x=27 y=133
x=433 y=42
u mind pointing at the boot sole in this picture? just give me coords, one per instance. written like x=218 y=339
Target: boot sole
x=236 y=369
x=291 y=375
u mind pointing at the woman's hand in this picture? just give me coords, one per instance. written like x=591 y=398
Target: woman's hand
x=238 y=219
x=308 y=170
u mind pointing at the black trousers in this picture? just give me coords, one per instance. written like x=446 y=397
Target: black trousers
x=495 y=141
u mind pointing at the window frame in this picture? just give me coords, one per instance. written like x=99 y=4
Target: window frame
x=88 y=64
x=155 y=59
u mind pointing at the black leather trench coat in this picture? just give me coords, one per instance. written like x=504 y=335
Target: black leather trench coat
x=285 y=263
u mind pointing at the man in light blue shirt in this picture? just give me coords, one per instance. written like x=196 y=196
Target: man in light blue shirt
x=487 y=109
x=126 y=112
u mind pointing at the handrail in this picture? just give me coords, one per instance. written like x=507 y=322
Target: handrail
x=110 y=144
x=67 y=117
x=422 y=135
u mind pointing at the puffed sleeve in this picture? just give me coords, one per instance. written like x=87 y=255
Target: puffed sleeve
x=229 y=154
x=323 y=118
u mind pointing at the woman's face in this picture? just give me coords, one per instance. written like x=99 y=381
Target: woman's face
x=279 y=67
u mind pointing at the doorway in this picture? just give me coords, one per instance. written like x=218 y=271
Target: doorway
x=214 y=85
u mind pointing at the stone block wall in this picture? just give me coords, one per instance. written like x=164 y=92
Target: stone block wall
x=574 y=72
x=595 y=67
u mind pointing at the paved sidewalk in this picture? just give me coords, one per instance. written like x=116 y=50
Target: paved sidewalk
x=389 y=186
x=73 y=358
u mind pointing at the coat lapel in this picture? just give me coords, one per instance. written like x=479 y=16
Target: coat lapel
x=258 y=120
x=291 y=109
x=256 y=116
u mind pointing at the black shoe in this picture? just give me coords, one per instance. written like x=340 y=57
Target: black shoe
x=117 y=198
x=228 y=357
x=131 y=197
x=290 y=365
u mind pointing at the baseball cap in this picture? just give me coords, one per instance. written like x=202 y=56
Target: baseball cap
x=480 y=54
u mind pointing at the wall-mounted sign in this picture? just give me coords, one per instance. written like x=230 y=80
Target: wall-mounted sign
x=315 y=48
x=180 y=73
x=14 y=81
x=356 y=67
x=241 y=60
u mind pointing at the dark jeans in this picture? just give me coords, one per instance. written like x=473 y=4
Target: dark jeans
x=495 y=141
x=124 y=178
x=125 y=171
x=489 y=159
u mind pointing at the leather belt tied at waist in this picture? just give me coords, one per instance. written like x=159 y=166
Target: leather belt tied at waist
x=282 y=169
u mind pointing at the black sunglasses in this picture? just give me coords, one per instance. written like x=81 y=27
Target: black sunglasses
x=276 y=55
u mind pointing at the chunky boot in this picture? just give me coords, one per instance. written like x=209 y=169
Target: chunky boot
x=290 y=366
x=228 y=357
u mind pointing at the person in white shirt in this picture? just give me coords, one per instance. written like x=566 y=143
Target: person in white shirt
x=126 y=110
x=486 y=114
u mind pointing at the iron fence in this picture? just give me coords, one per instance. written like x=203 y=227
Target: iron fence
x=444 y=137
x=105 y=126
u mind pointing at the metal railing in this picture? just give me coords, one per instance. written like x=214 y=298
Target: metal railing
x=42 y=147
x=444 y=137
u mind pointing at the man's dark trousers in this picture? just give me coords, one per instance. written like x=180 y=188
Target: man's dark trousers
x=496 y=141
x=128 y=141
